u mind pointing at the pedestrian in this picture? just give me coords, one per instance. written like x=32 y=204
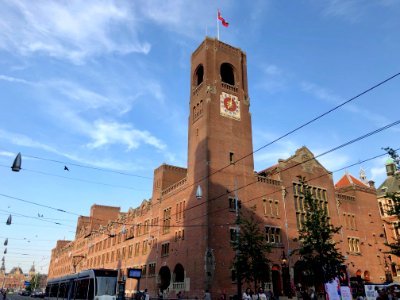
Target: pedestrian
x=179 y=295
x=207 y=295
x=270 y=295
x=146 y=295
x=247 y=294
x=261 y=295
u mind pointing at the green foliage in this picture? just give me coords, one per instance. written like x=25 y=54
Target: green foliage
x=395 y=209
x=319 y=257
x=252 y=261
x=35 y=282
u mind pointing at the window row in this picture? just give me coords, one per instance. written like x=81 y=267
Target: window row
x=180 y=210
x=353 y=244
x=271 y=207
x=350 y=221
x=272 y=234
x=316 y=192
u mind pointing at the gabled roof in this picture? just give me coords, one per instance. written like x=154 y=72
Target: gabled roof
x=349 y=180
x=389 y=186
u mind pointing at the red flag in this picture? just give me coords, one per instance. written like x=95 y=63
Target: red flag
x=224 y=23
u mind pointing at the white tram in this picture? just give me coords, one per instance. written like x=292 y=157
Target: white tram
x=94 y=284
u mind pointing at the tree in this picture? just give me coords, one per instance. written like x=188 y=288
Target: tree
x=319 y=258
x=35 y=282
x=394 y=196
x=251 y=249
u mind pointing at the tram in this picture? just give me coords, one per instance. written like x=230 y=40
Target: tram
x=93 y=284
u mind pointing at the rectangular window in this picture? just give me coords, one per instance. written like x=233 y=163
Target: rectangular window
x=232 y=204
x=232 y=232
x=316 y=193
x=164 y=249
x=144 y=270
x=144 y=247
x=146 y=226
x=130 y=250
x=166 y=220
x=231 y=158
x=137 y=249
x=276 y=208
x=354 y=245
x=273 y=234
x=152 y=269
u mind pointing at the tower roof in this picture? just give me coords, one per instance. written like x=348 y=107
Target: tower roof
x=349 y=180
x=391 y=185
x=16 y=270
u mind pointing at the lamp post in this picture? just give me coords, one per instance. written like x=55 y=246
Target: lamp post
x=388 y=273
x=285 y=274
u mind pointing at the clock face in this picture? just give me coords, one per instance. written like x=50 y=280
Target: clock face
x=229 y=106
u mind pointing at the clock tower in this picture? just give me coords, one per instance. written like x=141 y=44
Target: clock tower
x=220 y=147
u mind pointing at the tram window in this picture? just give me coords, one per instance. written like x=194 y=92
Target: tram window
x=91 y=289
x=62 y=291
x=71 y=288
x=81 y=289
x=54 y=290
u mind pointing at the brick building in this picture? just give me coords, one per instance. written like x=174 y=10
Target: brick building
x=182 y=242
x=391 y=185
x=16 y=278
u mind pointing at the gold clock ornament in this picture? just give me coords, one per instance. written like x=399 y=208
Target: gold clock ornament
x=229 y=106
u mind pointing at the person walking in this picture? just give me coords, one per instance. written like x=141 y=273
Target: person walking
x=247 y=294
x=207 y=295
x=261 y=295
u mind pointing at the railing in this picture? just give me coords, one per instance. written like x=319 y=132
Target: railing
x=345 y=197
x=197 y=88
x=229 y=87
x=174 y=186
x=268 y=180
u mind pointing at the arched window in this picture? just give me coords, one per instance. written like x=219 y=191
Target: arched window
x=199 y=74
x=179 y=273
x=227 y=74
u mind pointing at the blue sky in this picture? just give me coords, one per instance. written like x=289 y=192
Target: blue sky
x=105 y=84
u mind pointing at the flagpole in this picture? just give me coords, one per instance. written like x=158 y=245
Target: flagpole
x=217 y=27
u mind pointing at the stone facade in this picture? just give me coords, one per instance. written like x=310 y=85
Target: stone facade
x=182 y=242
x=15 y=279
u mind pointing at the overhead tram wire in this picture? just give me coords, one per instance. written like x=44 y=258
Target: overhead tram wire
x=263 y=195
x=228 y=165
x=272 y=142
x=77 y=179
x=36 y=218
x=296 y=129
x=305 y=161
x=287 y=187
x=251 y=183
x=88 y=167
x=252 y=199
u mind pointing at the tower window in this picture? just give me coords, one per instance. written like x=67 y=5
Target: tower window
x=199 y=74
x=231 y=158
x=227 y=74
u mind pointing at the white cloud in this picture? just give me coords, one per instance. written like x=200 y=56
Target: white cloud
x=349 y=9
x=7 y=154
x=13 y=79
x=274 y=79
x=23 y=140
x=328 y=96
x=106 y=133
x=73 y=30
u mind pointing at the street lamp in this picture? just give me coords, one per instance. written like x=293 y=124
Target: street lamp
x=16 y=166
x=388 y=273
x=285 y=274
